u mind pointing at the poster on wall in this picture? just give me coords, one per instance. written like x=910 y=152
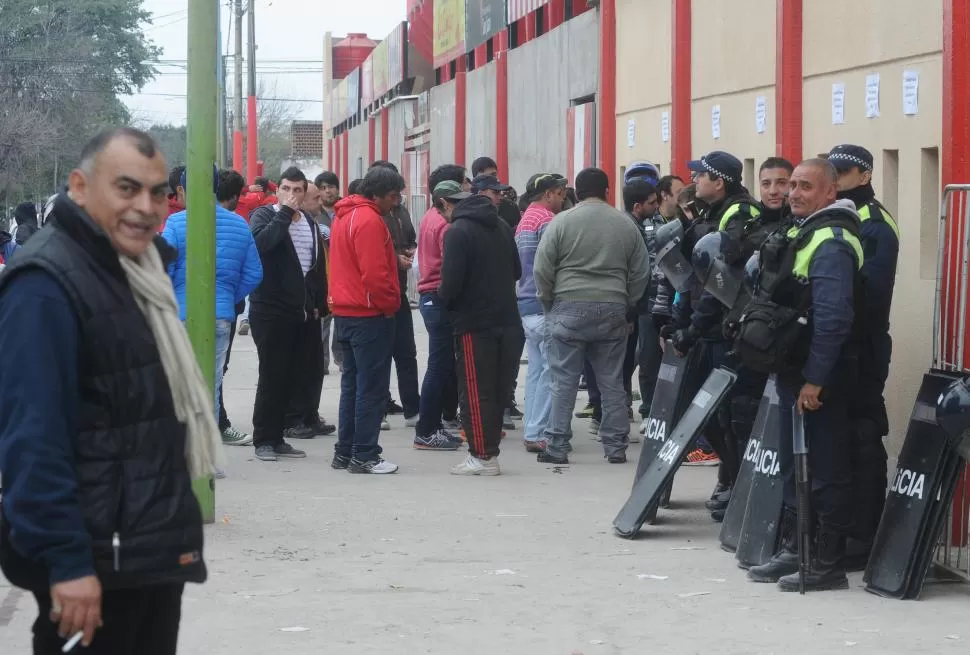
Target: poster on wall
x=760 y=114
x=395 y=56
x=838 y=104
x=716 y=122
x=872 y=95
x=367 y=81
x=665 y=126
x=910 y=92
x=379 y=69
x=449 y=30
x=483 y=20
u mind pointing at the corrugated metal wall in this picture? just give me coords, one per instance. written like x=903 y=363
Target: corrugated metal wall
x=480 y=113
x=443 y=124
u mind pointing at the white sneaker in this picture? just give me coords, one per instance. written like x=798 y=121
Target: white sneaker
x=474 y=466
x=385 y=426
x=643 y=426
x=635 y=438
x=411 y=421
x=376 y=467
x=220 y=474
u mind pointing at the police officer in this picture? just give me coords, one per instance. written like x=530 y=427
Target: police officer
x=729 y=209
x=807 y=290
x=773 y=178
x=880 y=243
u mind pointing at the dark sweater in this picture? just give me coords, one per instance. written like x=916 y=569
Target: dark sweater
x=479 y=269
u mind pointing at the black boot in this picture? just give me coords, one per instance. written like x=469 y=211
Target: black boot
x=719 y=499
x=857 y=554
x=785 y=561
x=827 y=570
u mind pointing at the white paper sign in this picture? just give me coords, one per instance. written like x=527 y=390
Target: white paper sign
x=838 y=104
x=716 y=121
x=910 y=92
x=665 y=126
x=631 y=133
x=760 y=114
x=872 y=95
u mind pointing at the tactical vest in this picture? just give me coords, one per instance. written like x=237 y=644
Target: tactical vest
x=775 y=328
x=873 y=210
x=753 y=233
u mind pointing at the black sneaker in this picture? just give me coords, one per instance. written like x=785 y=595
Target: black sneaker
x=299 y=432
x=393 y=407
x=436 y=441
x=585 y=412
x=375 y=466
x=515 y=413
x=286 y=450
x=340 y=462
x=322 y=429
x=451 y=437
x=619 y=458
x=545 y=458
x=266 y=453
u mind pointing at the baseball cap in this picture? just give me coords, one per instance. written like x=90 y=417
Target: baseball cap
x=719 y=164
x=848 y=156
x=450 y=190
x=482 y=182
x=542 y=182
x=642 y=170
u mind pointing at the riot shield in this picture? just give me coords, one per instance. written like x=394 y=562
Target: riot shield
x=734 y=516
x=673 y=264
x=647 y=491
x=920 y=493
x=762 y=514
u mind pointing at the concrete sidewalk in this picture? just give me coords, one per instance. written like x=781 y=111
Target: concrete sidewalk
x=424 y=562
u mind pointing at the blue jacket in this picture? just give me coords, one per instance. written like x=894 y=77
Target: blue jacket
x=238 y=267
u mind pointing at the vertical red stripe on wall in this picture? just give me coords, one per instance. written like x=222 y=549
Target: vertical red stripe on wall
x=385 y=133
x=606 y=141
x=502 y=103
x=460 y=102
x=571 y=145
x=371 y=140
x=788 y=80
x=555 y=14
x=346 y=153
x=481 y=55
x=680 y=144
x=589 y=129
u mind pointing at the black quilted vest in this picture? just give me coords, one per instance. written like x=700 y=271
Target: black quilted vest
x=133 y=480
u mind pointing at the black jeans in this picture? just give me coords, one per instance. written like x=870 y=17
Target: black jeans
x=304 y=407
x=487 y=364
x=289 y=358
x=142 y=621
x=366 y=345
x=224 y=422
x=439 y=390
x=406 y=359
x=651 y=355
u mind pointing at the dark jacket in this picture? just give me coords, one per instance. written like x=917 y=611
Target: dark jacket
x=106 y=461
x=285 y=293
x=403 y=237
x=662 y=291
x=480 y=268
x=509 y=212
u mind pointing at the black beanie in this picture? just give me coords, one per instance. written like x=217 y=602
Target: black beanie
x=26 y=214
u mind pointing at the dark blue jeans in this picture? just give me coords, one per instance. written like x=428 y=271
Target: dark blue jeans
x=405 y=359
x=367 y=345
x=439 y=390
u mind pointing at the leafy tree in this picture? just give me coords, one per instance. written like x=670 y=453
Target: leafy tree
x=172 y=140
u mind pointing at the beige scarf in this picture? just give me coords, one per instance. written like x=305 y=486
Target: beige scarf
x=194 y=404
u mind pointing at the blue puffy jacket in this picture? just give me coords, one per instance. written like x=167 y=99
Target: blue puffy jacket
x=238 y=268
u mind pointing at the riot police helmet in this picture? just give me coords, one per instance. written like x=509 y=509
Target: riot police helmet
x=710 y=258
x=752 y=271
x=953 y=415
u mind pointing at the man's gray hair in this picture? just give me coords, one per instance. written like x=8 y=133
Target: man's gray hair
x=143 y=142
x=828 y=170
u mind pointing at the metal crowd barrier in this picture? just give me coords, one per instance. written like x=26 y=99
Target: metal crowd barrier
x=949 y=343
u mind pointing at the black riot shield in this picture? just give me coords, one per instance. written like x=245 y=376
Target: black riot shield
x=734 y=516
x=762 y=513
x=665 y=410
x=658 y=475
x=915 y=510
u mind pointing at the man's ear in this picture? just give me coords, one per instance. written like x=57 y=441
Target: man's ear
x=77 y=186
x=866 y=177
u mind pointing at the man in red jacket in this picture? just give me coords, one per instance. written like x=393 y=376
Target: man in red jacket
x=258 y=195
x=365 y=294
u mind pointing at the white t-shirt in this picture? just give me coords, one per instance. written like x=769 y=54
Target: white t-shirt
x=304 y=241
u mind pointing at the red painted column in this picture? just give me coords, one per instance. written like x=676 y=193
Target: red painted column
x=606 y=134
x=346 y=153
x=238 y=159
x=502 y=103
x=530 y=26
x=555 y=14
x=385 y=132
x=955 y=170
x=371 y=141
x=460 y=103
x=788 y=80
x=481 y=55
x=680 y=145
x=252 y=138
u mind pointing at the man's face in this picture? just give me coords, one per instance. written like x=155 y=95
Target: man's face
x=668 y=202
x=388 y=202
x=809 y=191
x=494 y=196
x=853 y=178
x=294 y=191
x=647 y=208
x=329 y=194
x=555 y=198
x=774 y=186
x=710 y=189
x=313 y=201
x=125 y=194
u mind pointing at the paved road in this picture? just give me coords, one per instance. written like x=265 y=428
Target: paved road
x=424 y=562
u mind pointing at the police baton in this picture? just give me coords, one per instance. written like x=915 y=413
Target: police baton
x=803 y=497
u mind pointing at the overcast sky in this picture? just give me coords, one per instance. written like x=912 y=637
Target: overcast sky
x=285 y=30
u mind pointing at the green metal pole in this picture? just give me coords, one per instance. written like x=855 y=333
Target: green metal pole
x=200 y=201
